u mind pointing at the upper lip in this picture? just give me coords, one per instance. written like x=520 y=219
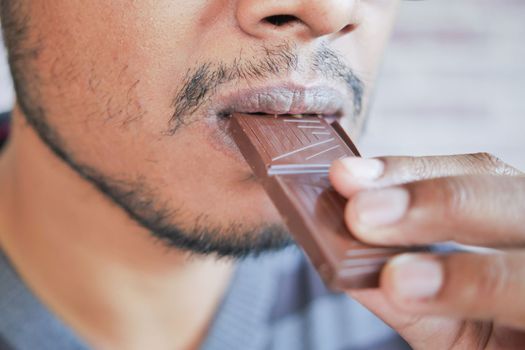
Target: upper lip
x=284 y=99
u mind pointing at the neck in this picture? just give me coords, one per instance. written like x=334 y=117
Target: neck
x=93 y=266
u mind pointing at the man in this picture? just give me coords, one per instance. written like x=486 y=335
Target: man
x=120 y=187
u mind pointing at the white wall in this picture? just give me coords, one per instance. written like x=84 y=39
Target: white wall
x=6 y=90
x=453 y=81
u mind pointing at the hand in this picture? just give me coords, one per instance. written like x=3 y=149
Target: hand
x=456 y=301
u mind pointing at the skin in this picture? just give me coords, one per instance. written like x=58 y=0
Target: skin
x=104 y=171
x=458 y=301
x=96 y=85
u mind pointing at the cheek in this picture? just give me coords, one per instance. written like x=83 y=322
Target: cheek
x=118 y=65
x=109 y=80
x=111 y=61
x=364 y=47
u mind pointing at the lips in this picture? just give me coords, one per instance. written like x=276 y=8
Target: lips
x=326 y=101
x=294 y=100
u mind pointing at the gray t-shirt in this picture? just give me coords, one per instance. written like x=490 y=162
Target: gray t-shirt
x=274 y=302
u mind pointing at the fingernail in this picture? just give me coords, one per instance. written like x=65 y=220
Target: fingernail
x=361 y=168
x=415 y=277
x=381 y=207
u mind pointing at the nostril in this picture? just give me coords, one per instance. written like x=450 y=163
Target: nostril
x=348 y=28
x=280 y=20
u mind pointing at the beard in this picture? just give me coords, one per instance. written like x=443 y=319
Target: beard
x=143 y=204
x=140 y=200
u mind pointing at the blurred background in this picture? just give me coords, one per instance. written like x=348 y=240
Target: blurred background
x=453 y=81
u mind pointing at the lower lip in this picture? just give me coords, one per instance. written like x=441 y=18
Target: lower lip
x=221 y=140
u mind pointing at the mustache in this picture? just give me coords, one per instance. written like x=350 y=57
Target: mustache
x=202 y=81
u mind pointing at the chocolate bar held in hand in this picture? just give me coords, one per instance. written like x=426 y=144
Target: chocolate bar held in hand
x=292 y=156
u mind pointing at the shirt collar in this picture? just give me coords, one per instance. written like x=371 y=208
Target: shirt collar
x=25 y=323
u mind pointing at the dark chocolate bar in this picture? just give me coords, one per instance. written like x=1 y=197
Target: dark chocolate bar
x=292 y=157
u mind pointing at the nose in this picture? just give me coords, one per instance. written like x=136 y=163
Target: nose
x=301 y=18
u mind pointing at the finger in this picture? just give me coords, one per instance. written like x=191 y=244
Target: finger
x=480 y=210
x=420 y=331
x=350 y=175
x=471 y=286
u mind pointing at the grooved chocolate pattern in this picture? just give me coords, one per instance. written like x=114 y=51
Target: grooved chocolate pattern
x=292 y=157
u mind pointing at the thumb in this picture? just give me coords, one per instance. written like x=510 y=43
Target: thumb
x=467 y=286
x=421 y=332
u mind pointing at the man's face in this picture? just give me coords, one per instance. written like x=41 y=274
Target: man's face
x=135 y=95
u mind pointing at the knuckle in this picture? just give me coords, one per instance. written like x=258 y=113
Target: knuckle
x=456 y=197
x=492 y=164
x=421 y=168
x=478 y=281
x=494 y=279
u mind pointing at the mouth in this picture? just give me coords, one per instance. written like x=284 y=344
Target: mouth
x=288 y=100
x=292 y=101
